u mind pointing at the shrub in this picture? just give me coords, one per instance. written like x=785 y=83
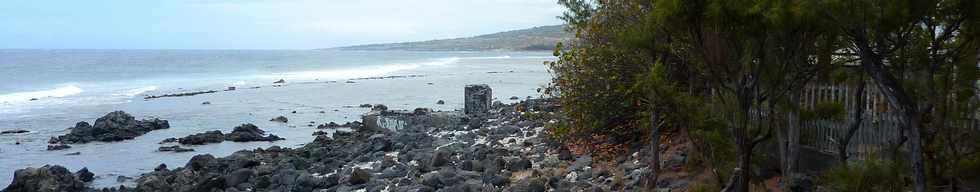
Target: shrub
x=868 y=175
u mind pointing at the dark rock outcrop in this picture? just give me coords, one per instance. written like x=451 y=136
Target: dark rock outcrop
x=379 y=107
x=115 y=126
x=49 y=178
x=280 y=119
x=174 y=148
x=184 y=94
x=333 y=125
x=202 y=138
x=56 y=147
x=249 y=132
x=243 y=133
x=359 y=176
x=15 y=131
x=84 y=175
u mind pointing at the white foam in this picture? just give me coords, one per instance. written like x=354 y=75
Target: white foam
x=348 y=73
x=363 y=72
x=442 y=61
x=20 y=97
x=492 y=57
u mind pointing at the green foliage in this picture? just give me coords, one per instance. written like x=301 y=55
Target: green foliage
x=710 y=69
x=717 y=150
x=869 y=175
x=824 y=110
x=969 y=168
x=703 y=187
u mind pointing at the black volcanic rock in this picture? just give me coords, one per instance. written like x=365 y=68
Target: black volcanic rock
x=202 y=138
x=249 y=132
x=174 y=148
x=84 y=175
x=359 y=176
x=115 y=126
x=280 y=119
x=50 y=178
x=15 y=131
x=437 y=156
x=58 y=147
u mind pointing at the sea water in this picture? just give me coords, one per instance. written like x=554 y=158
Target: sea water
x=47 y=91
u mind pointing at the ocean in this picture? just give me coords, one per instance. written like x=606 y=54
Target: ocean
x=47 y=91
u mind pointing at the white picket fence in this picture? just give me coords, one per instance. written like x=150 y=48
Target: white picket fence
x=878 y=131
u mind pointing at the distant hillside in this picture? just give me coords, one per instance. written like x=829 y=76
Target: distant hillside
x=537 y=38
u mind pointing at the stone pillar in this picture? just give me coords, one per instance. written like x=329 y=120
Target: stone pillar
x=477 y=99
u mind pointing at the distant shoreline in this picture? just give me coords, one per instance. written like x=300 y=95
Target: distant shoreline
x=543 y=38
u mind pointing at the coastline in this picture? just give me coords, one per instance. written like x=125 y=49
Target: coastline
x=507 y=149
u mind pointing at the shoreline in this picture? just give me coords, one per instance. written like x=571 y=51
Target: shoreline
x=507 y=149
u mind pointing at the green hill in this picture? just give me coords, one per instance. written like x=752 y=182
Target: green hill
x=537 y=38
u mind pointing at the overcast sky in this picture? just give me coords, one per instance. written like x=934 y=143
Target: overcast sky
x=257 y=24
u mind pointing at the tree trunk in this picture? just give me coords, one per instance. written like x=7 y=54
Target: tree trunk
x=915 y=151
x=898 y=98
x=790 y=158
x=857 y=116
x=743 y=150
x=654 y=163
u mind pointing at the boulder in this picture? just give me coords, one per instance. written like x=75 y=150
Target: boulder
x=168 y=140
x=161 y=167
x=249 y=132
x=280 y=81
x=202 y=138
x=58 y=147
x=439 y=159
x=239 y=176
x=422 y=111
x=565 y=155
x=280 y=119
x=199 y=162
x=379 y=107
x=440 y=102
x=359 y=176
x=115 y=126
x=530 y=185
x=519 y=164
x=49 y=178
x=84 y=175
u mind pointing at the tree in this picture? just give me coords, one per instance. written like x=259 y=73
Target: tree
x=907 y=40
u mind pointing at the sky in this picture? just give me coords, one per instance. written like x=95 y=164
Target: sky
x=257 y=24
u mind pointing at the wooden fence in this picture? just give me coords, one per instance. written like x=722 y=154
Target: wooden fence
x=879 y=130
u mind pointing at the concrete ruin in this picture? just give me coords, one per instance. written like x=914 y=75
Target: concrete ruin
x=477 y=99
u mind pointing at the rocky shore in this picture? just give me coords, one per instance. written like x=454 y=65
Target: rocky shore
x=115 y=126
x=503 y=149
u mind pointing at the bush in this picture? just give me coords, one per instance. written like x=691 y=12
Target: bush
x=868 y=175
